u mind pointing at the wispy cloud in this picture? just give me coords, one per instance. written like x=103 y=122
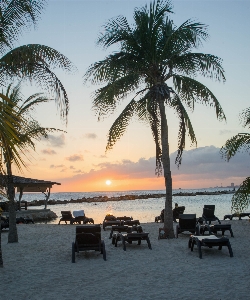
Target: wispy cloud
x=56 y=166
x=90 y=136
x=48 y=151
x=75 y=157
x=55 y=141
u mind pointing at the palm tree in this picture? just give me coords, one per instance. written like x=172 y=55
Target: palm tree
x=28 y=131
x=33 y=62
x=9 y=128
x=157 y=65
x=241 y=141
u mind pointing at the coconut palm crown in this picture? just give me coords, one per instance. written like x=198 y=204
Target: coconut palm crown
x=156 y=64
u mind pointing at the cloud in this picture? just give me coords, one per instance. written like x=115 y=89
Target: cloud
x=225 y=132
x=90 y=136
x=78 y=171
x=56 y=166
x=55 y=141
x=48 y=151
x=75 y=157
x=72 y=168
x=202 y=167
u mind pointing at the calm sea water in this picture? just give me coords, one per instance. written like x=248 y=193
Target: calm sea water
x=143 y=209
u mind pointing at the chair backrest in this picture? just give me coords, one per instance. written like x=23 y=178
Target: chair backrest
x=208 y=213
x=210 y=207
x=110 y=218
x=66 y=214
x=124 y=218
x=187 y=221
x=88 y=234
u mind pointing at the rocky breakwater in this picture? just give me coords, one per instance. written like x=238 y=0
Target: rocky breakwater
x=122 y=198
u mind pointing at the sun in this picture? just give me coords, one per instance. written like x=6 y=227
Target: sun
x=108 y=182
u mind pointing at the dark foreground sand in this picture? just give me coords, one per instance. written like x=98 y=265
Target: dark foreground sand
x=39 y=267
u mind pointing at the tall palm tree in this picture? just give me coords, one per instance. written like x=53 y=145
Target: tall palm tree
x=33 y=62
x=241 y=141
x=28 y=131
x=157 y=64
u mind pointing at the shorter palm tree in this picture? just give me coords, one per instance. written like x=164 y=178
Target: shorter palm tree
x=241 y=141
x=27 y=131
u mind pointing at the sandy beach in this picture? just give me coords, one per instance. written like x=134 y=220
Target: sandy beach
x=39 y=267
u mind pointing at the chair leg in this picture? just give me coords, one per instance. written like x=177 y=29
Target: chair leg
x=139 y=242
x=199 y=248
x=103 y=251
x=123 y=243
x=189 y=242
x=149 y=244
x=73 y=253
x=231 y=231
x=230 y=249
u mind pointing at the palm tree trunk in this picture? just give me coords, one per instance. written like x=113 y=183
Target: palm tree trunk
x=168 y=217
x=12 y=237
x=1 y=256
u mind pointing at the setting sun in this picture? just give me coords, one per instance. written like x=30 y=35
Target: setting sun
x=108 y=182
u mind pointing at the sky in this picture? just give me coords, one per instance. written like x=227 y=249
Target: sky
x=76 y=157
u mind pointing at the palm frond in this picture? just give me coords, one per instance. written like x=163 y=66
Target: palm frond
x=185 y=125
x=206 y=65
x=191 y=91
x=245 y=117
x=119 y=126
x=239 y=142
x=35 y=63
x=16 y=16
x=241 y=198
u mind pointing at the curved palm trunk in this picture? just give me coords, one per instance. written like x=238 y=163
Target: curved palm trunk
x=12 y=237
x=168 y=217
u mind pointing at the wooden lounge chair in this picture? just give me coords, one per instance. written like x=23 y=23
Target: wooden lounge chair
x=66 y=217
x=134 y=236
x=4 y=223
x=178 y=211
x=187 y=222
x=116 y=230
x=215 y=228
x=124 y=218
x=131 y=222
x=235 y=215
x=88 y=237
x=208 y=214
x=209 y=241
x=111 y=220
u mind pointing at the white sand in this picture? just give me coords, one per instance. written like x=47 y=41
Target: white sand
x=39 y=267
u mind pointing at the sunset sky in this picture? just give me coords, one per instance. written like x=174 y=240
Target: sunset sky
x=77 y=158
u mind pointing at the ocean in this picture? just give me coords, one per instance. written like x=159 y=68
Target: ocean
x=145 y=210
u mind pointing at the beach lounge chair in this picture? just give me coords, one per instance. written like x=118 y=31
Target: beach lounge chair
x=110 y=220
x=66 y=217
x=88 y=237
x=235 y=215
x=117 y=230
x=134 y=236
x=179 y=210
x=215 y=228
x=4 y=223
x=187 y=222
x=209 y=241
x=208 y=214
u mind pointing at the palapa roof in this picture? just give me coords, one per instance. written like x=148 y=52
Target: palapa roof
x=30 y=182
